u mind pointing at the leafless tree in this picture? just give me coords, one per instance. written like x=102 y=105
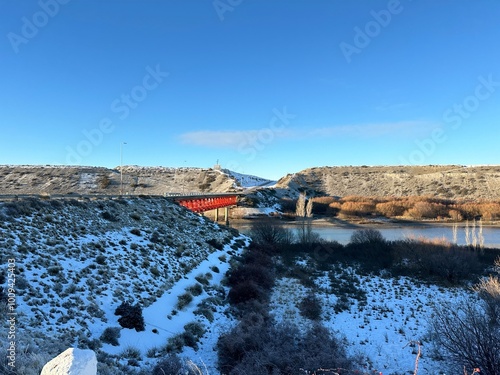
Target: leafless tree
x=309 y=207
x=300 y=208
x=270 y=232
x=464 y=332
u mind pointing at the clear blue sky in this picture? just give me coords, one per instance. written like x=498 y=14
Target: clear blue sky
x=265 y=87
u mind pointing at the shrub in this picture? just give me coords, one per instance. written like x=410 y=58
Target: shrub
x=111 y=336
x=270 y=234
x=367 y=236
x=464 y=334
x=136 y=232
x=195 y=289
x=202 y=279
x=369 y=247
x=131 y=316
x=215 y=269
x=357 y=208
x=489 y=291
x=490 y=211
x=390 y=209
x=310 y=307
x=195 y=328
x=155 y=271
x=427 y=210
x=455 y=215
x=443 y=262
x=183 y=300
x=246 y=291
x=334 y=208
x=103 y=181
x=213 y=242
x=258 y=274
x=135 y=216
x=171 y=364
x=264 y=348
x=206 y=312
x=109 y=217
x=155 y=237
x=54 y=270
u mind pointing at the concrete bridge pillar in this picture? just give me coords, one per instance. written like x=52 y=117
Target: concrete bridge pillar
x=216 y=217
x=226 y=215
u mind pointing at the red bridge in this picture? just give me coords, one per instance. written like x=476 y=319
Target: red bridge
x=205 y=202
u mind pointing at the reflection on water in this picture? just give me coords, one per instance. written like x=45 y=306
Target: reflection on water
x=343 y=234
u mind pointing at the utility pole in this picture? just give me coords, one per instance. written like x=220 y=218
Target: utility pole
x=121 y=167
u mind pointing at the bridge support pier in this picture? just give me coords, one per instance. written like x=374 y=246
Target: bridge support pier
x=216 y=215
x=226 y=215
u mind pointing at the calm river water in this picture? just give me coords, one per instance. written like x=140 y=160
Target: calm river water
x=343 y=234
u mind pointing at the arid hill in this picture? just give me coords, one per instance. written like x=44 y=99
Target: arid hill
x=99 y=180
x=449 y=181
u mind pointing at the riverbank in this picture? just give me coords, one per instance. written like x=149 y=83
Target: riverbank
x=375 y=222
x=341 y=230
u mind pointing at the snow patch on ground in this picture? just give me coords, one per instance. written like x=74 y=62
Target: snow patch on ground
x=396 y=313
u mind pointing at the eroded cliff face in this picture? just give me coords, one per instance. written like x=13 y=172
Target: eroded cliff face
x=452 y=181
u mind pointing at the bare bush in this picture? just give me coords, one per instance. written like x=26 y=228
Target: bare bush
x=490 y=211
x=172 y=364
x=306 y=236
x=427 y=210
x=366 y=236
x=489 y=291
x=357 y=208
x=390 y=209
x=111 y=336
x=438 y=260
x=370 y=248
x=310 y=307
x=264 y=348
x=270 y=233
x=456 y=215
x=464 y=333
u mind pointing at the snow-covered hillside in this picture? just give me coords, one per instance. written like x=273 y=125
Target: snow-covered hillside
x=380 y=318
x=247 y=181
x=77 y=261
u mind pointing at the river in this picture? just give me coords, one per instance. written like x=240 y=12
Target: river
x=342 y=233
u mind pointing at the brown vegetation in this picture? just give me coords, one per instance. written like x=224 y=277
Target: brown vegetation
x=414 y=207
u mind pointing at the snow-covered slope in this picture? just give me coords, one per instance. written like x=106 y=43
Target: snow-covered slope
x=246 y=181
x=77 y=261
x=381 y=318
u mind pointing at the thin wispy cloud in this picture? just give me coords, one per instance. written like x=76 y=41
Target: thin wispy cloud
x=235 y=138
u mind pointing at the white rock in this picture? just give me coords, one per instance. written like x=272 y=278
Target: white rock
x=72 y=362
